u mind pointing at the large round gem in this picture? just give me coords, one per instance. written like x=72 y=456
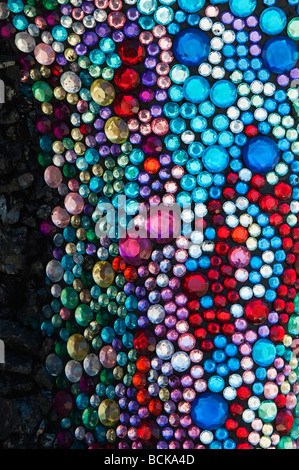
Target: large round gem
x=195 y=285
x=284 y=422
x=163 y=225
x=223 y=94
x=126 y=78
x=191 y=47
x=77 y=347
x=273 y=20
x=239 y=256
x=215 y=158
x=102 y=92
x=242 y=8
x=135 y=251
x=256 y=311
x=109 y=412
x=116 y=130
x=280 y=54
x=148 y=433
x=256 y=147
x=209 y=411
x=267 y=411
x=191 y=6
x=144 y=342
x=196 y=89
x=44 y=54
x=103 y=274
x=125 y=105
x=264 y=352
x=131 y=52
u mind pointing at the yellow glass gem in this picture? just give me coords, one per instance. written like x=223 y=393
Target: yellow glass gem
x=77 y=347
x=116 y=130
x=102 y=92
x=103 y=274
x=109 y=412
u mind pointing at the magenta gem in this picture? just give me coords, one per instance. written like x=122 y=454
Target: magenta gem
x=135 y=251
x=239 y=256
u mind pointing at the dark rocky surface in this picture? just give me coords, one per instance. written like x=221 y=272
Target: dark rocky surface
x=25 y=201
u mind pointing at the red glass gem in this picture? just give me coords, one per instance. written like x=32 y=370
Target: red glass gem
x=256 y=311
x=283 y=191
x=125 y=105
x=268 y=203
x=131 y=52
x=289 y=277
x=126 y=78
x=195 y=285
x=144 y=342
x=251 y=131
x=284 y=422
x=148 y=432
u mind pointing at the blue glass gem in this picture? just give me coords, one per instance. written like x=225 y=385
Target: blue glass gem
x=223 y=94
x=242 y=8
x=215 y=159
x=196 y=89
x=191 y=47
x=264 y=352
x=209 y=411
x=261 y=146
x=280 y=54
x=191 y=6
x=273 y=20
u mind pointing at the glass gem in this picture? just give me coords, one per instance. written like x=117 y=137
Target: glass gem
x=116 y=130
x=257 y=146
x=209 y=411
x=223 y=94
x=102 y=92
x=196 y=89
x=103 y=274
x=280 y=54
x=242 y=8
x=77 y=347
x=109 y=412
x=191 y=47
x=273 y=20
x=215 y=159
x=263 y=352
x=191 y=6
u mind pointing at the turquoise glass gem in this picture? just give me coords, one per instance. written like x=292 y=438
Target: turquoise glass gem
x=257 y=146
x=273 y=20
x=280 y=54
x=196 y=89
x=215 y=159
x=147 y=7
x=223 y=94
x=191 y=6
x=209 y=411
x=242 y=8
x=191 y=47
x=264 y=352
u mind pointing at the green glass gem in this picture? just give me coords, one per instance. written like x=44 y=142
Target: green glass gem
x=61 y=349
x=44 y=159
x=72 y=326
x=90 y=418
x=106 y=377
x=42 y=91
x=50 y=4
x=69 y=297
x=267 y=411
x=69 y=171
x=83 y=315
x=296 y=303
x=285 y=443
x=56 y=321
x=293 y=325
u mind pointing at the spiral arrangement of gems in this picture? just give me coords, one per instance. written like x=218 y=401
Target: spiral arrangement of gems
x=173 y=328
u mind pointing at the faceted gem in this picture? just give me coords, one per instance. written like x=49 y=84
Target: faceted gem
x=44 y=54
x=74 y=203
x=209 y=411
x=102 y=92
x=63 y=403
x=284 y=422
x=293 y=29
x=263 y=352
x=273 y=20
x=261 y=145
x=180 y=361
x=148 y=432
x=239 y=256
x=293 y=325
x=223 y=93
x=77 y=347
x=215 y=158
x=53 y=176
x=195 y=285
x=267 y=411
x=69 y=297
x=191 y=47
x=131 y=52
x=25 y=42
x=147 y=7
x=83 y=315
x=163 y=225
x=256 y=311
x=70 y=82
x=108 y=357
x=152 y=146
x=103 y=274
x=191 y=6
x=126 y=78
x=109 y=412
x=135 y=251
x=144 y=342
x=42 y=91
x=90 y=418
x=280 y=54
x=126 y=105
x=196 y=89
x=116 y=130
x=242 y=8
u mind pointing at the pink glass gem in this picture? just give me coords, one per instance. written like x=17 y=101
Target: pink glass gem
x=239 y=256
x=74 y=203
x=53 y=176
x=44 y=54
x=60 y=217
x=108 y=357
x=135 y=251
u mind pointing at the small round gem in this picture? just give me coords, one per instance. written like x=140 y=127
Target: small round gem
x=191 y=6
x=215 y=159
x=256 y=311
x=109 y=412
x=102 y=92
x=126 y=78
x=196 y=89
x=131 y=52
x=77 y=347
x=264 y=352
x=135 y=251
x=191 y=47
x=223 y=94
x=116 y=130
x=195 y=285
x=103 y=274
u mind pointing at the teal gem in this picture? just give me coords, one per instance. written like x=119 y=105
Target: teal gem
x=196 y=89
x=242 y=8
x=223 y=94
x=215 y=159
x=273 y=20
x=263 y=352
